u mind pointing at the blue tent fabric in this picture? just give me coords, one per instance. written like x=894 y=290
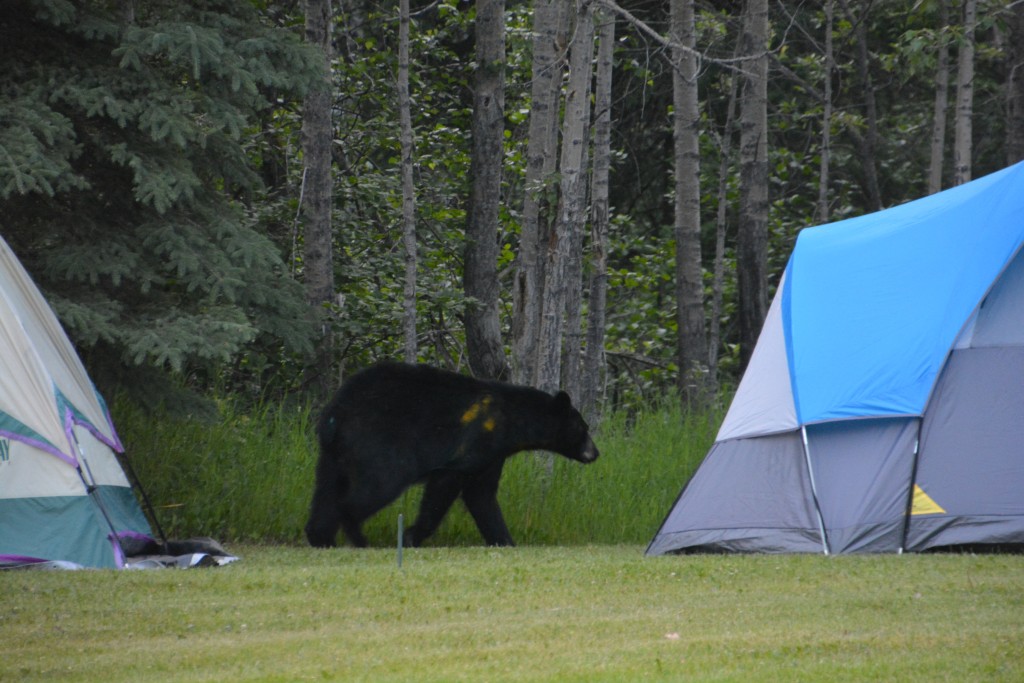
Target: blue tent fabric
x=873 y=304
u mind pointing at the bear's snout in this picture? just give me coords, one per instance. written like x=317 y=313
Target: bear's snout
x=590 y=452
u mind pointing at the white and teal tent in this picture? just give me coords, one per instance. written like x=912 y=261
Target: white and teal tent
x=883 y=406
x=64 y=497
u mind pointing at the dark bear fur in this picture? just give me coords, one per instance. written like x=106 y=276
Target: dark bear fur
x=393 y=425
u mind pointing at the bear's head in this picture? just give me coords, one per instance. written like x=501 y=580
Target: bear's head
x=573 y=434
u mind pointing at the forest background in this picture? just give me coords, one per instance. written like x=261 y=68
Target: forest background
x=252 y=199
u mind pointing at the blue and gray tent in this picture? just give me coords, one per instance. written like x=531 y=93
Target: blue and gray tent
x=883 y=406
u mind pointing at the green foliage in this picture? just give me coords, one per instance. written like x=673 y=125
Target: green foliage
x=369 y=255
x=151 y=173
x=123 y=157
x=642 y=326
x=35 y=148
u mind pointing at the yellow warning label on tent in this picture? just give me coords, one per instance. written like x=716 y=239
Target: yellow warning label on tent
x=923 y=503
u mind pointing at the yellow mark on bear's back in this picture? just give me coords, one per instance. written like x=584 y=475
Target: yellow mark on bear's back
x=471 y=413
x=476 y=410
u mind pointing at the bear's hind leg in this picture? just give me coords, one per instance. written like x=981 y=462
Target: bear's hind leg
x=481 y=498
x=320 y=532
x=324 y=517
x=353 y=528
x=440 y=492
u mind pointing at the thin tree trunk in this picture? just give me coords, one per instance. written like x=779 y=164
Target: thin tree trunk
x=963 y=128
x=408 y=189
x=480 y=279
x=549 y=45
x=826 y=123
x=752 y=237
x=718 y=279
x=594 y=360
x=868 y=141
x=691 y=340
x=938 y=146
x=1015 y=86
x=572 y=344
x=572 y=202
x=317 y=135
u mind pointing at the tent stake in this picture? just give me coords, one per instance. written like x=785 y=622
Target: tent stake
x=401 y=533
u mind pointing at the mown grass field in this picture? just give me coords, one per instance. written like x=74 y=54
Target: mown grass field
x=583 y=613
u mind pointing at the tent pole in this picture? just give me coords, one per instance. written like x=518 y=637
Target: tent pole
x=910 y=489
x=814 y=490
x=93 y=490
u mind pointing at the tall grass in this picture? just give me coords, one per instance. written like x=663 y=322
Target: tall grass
x=244 y=477
x=249 y=477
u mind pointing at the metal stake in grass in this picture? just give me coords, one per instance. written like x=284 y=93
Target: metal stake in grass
x=401 y=532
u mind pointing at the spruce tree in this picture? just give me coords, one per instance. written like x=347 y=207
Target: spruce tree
x=125 y=165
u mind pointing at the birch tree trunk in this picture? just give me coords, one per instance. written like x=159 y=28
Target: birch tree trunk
x=692 y=353
x=572 y=202
x=408 y=189
x=549 y=44
x=963 y=129
x=826 y=123
x=480 y=279
x=938 y=145
x=572 y=342
x=594 y=360
x=752 y=237
x=1015 y=86
x=317 y=134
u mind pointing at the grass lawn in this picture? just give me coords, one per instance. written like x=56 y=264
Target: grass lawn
x=599 y=613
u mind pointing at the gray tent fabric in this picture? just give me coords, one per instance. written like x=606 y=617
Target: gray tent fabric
x=1000 y=318
x=862 y=471
x=765 y=406
x=883 y=407
x=766 y=507
x=974 y=475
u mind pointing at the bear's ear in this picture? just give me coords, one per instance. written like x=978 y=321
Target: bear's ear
x=562 y=401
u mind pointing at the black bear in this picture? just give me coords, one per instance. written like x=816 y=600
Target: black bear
x=393 y=425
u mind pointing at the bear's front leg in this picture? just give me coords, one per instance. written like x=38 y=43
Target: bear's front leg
x=480 y=494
